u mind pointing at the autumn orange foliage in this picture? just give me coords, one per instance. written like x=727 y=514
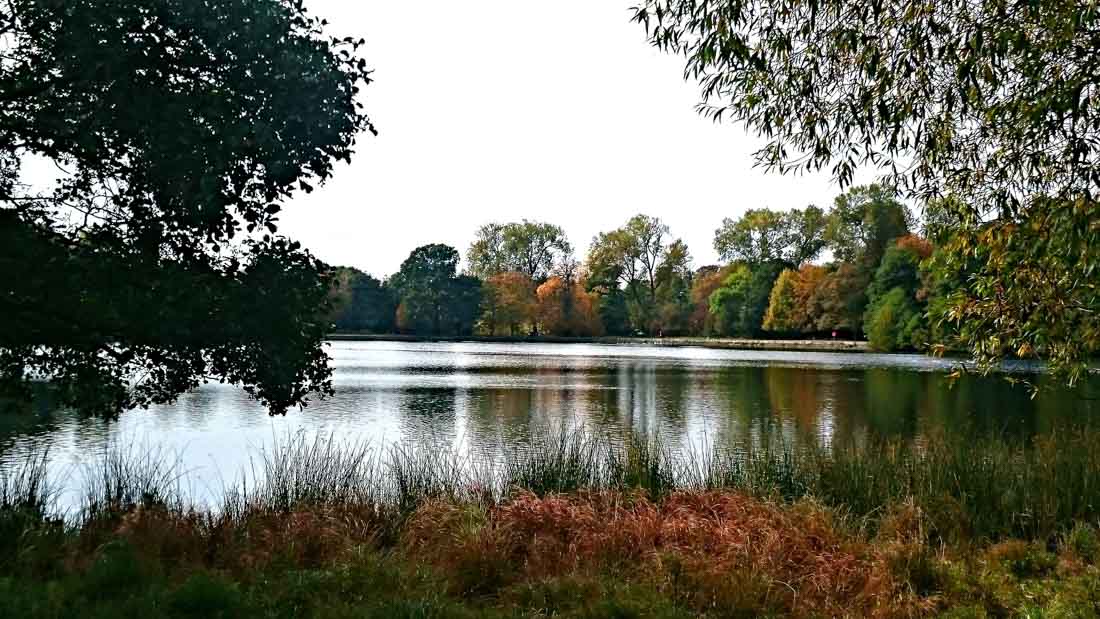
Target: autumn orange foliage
x=919 y=245
x=795 y=304
x=567 y=309
x=509 y=304
x=705 y=282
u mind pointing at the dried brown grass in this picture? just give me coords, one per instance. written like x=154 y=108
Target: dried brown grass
x=718 y=552
x=239 y=544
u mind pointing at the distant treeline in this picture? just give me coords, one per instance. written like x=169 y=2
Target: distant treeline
x=522 y=279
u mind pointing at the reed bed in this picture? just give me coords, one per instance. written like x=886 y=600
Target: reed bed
x=984 y=489
x=575 y=523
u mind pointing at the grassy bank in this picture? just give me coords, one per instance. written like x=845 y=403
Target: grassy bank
x=801 y=345
x=573 y=525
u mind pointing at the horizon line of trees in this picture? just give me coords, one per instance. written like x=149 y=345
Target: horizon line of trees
x=522 y=279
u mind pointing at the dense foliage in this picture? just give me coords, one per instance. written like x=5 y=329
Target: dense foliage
x=638 y=280
x=989 y=108
x=535 y=249
x=763 y=235
x=434 y=298
x=177 y=129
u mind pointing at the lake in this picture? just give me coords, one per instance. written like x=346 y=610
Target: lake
x=475 y=397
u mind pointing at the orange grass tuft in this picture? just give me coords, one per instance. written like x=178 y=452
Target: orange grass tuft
x=712 y=550
x=309 y=537
x=718 y=552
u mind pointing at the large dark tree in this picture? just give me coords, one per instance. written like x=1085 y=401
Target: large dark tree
x=178 y=129
x=994 y=104
x=434 y=299
x=362 y=303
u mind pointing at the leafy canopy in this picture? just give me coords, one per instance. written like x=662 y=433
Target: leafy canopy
x=764 y=235
x=864 y=222
x=362 y=302
x=992 y=101
x=434 y=299
x=653 y=272
x=992 y=107
x=178 y=128
x=508 y=301
x=534 y=248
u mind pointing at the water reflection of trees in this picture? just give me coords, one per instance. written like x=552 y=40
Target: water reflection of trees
x=758 y=406
x=29 y=425
x=741 y=406
x=429 y=414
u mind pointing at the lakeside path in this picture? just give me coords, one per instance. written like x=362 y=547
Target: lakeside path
x=700 y=342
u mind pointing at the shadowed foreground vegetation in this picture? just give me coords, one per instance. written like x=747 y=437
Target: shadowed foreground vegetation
x=571 y=525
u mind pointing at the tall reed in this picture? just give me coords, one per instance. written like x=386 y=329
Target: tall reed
x=25 y=486
x=131 y=477
x=300 y=471
x=988 y=489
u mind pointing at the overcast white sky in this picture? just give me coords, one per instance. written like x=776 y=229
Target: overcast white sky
x=499 y=110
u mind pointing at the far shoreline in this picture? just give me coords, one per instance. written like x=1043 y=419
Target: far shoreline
x=849 y=346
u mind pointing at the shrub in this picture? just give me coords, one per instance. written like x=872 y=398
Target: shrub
x=1023 y=559
x=1083 y=541
x=205 y=595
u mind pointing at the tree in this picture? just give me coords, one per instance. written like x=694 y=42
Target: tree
x=794 y=305
x=508 y=301
x=636 y=260
x=757 y=237
x=842 y=297
x=1028 y=287
x=989 y=105
x=894 y=317
x=962 y=93
x=758 y=295
x=554 y=306
x=900 y=267
x=703 y=284
x=782 y=304
x=566 y=309
x=611 y=306
x=533 y=248
x=673 y=291
x=153 y=265
x=940 y=220
x=864 y=222
x=892 y=320
x=727 y=303
x=740 y=303
x=536 y=248
x=433 y=298
x=464 y=305
x=807 y=308
x=486 y=255
x=362 y=303
x=585 y=320
x=940 y=290
x=647 y=249
x=805 y=229
x=763 y=235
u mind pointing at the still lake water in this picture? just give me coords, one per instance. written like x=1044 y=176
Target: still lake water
x=475 y=397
